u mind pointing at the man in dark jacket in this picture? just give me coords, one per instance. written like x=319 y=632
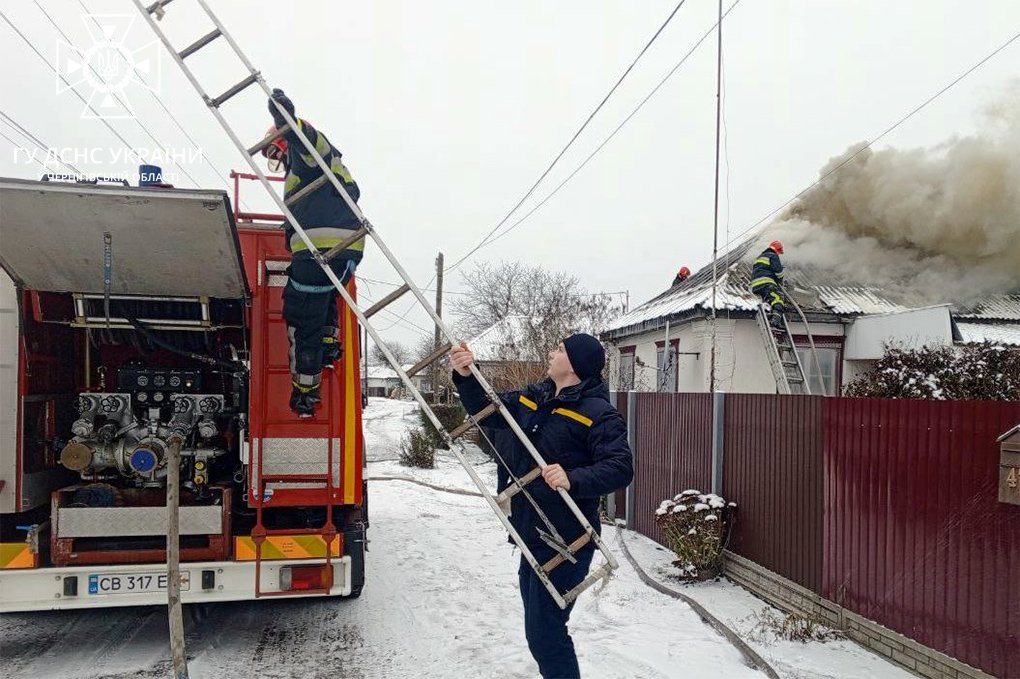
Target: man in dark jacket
x=583 y=439
x=766 y=277
x=310 y=300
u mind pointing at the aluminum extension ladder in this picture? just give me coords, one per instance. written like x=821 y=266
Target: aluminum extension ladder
x=565 y=552
x=782 y=355
x=781 y=350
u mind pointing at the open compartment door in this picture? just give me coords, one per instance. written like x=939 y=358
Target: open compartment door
x=158 y=242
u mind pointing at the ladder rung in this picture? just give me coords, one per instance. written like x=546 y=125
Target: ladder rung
x=268 y=139
x=515 y=488
x=794 y=379
x=158 y=5
x=596 y=575
x=199 y=44
x=473 y=420
x=428 y=360
x=340 y=247
x=392 y=297
x=215 y=103
x=303 y=193
x=790 y=364
x=559 y=558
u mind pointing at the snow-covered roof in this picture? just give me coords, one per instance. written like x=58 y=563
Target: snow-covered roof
x=999 y=333
x=503 y=341
x=814 y=289
x=384 y=372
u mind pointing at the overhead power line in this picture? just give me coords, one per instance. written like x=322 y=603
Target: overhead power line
x=573 y=138
x=120 y=101
x=51 y=67
x=570 y=143
x=874 y=141
x=17 y=145
x=35 y=140
x=619 y=127
x=222 y=176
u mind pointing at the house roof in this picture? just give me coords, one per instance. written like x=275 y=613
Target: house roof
x=384 y=372
x=999 y=333
x=504 y=341
x=814 y=289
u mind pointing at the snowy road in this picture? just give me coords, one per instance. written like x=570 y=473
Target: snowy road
x=440 y=601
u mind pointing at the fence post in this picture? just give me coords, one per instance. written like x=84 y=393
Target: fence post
x=611 y=497
x=632 y=442
x=718 y=445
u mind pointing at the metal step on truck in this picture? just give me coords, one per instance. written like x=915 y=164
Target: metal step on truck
x=136 y=322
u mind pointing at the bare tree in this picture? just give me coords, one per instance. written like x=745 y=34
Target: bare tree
x=545 y=306
x=399 y=351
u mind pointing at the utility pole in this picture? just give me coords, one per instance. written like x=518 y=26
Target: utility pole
x=715 y=227
x=438 y=337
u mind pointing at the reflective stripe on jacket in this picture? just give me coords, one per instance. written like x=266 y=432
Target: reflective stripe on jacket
x=324 y=214
x=768 y=269
x=578 y=429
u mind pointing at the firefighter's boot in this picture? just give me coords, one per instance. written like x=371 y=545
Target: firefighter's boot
x=332 y=350
x=303 y=400
x=776 y=319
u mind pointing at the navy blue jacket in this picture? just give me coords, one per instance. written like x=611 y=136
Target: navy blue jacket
x=579 y=430
x=324 y=214
x=767 y=270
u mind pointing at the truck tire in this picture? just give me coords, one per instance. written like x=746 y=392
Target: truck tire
x=354 y=547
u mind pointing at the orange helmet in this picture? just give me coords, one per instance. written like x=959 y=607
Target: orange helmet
x=684 y=272
x=276 y=151
x=777 y=246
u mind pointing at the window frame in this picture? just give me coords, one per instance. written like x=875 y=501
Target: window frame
x=626 y=382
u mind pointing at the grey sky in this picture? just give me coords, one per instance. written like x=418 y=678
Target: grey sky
x=447 y=111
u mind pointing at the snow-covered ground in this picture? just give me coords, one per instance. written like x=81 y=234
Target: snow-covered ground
x=440 y=600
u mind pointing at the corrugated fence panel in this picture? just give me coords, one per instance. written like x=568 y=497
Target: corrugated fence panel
x=674 y=451
x=773 y=470
x=915 y=536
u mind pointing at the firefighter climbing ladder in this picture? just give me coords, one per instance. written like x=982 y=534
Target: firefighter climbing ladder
x=565 y=552
x=782 y=352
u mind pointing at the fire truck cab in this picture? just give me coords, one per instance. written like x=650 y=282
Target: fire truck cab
x=129 y=316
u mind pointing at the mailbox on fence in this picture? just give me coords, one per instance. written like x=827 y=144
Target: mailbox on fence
x=1009 y=466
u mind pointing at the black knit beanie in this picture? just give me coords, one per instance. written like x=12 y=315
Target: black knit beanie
x=587 y=357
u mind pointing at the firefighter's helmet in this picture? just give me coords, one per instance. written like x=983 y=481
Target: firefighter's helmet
x=777 y=246
x=276 y=151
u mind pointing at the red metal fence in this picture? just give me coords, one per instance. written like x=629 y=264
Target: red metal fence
x=674 y=451
x=887 y=507
x=915 y=536
x=772 y=469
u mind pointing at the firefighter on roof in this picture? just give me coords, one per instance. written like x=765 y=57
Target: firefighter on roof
x=766 y=279
x=681 y=276
x=310 y=300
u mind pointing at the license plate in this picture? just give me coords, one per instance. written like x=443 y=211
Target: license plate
x=133 y=583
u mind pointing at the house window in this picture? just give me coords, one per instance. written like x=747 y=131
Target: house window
x=823 y=375
x=626 y=368
x=666 y=371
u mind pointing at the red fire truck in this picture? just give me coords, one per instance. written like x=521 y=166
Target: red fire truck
x=129 y=316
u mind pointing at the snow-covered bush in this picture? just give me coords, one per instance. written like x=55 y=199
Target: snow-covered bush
x=695 y=526
x=974 y=372
x=417 y=449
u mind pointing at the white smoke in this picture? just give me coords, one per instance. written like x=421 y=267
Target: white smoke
x=940 y=224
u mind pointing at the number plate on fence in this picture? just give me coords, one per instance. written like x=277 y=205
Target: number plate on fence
x=133 y=583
